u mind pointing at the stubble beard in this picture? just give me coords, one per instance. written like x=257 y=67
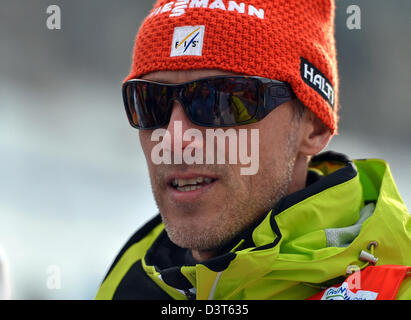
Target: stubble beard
x=239 y=211
x=241 y=208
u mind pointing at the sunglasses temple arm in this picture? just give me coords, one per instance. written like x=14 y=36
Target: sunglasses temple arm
x=272 y=101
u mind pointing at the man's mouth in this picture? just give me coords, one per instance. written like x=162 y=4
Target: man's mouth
x=192 y=184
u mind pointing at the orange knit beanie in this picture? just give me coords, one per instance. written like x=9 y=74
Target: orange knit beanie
x=287 y=40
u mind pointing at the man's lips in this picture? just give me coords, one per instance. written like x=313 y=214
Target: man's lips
x=189 y=186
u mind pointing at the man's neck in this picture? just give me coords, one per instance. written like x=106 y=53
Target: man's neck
x=299 y=178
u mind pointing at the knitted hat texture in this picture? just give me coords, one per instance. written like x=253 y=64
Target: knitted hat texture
x=287 y=40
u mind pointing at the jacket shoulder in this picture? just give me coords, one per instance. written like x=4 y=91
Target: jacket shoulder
x=129 y=257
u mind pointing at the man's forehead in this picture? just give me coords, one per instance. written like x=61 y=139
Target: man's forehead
x=181 y=76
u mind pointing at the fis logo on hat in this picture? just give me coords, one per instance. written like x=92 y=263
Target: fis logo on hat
x=187 y=41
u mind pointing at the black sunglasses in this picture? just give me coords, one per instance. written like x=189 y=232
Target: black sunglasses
x=219 y=101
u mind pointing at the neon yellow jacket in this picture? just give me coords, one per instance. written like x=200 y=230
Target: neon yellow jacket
x=307 y=241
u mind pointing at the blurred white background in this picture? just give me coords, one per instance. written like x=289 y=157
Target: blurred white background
x=73 y=179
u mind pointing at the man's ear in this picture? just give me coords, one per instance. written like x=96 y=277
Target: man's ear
x=315 y=134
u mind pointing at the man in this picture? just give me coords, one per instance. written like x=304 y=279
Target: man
x=305 y=225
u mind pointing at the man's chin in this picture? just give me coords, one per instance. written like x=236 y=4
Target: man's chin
x=193 y=233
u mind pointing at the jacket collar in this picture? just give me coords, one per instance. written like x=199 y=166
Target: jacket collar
x=288 y=220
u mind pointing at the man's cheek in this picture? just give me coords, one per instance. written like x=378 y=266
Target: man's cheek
x=147 y=145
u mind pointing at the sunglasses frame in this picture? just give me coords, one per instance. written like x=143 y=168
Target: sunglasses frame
x=271 y=94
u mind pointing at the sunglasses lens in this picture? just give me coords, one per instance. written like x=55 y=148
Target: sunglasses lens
x=146 y=104
x=223 y=101
x=213 y=102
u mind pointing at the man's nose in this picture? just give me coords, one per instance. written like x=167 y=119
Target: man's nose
x=177 y=127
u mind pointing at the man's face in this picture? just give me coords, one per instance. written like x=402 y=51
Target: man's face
x=224 y=202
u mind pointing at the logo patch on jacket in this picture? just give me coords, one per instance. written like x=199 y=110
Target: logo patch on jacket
x=372 y=283
x=343 y=292
x=317 y=80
